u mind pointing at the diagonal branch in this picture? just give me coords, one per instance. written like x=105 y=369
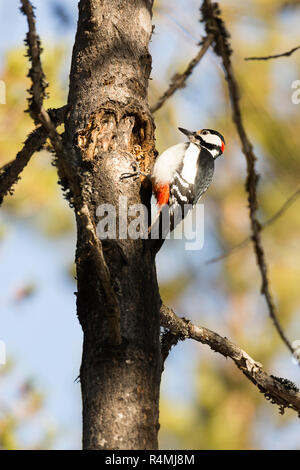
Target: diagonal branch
x=285 y=206
x=215 y=25
x=10 y=173
x=278 y=390
x=41 y=116
x=268 y=57
x=179 y=80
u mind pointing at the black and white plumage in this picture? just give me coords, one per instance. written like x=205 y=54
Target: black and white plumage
x=193 y=176
x=183 y=172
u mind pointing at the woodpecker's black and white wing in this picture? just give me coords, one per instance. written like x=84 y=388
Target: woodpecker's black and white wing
x=204 y=174
x=182 y=187
x=191 y=181
x=192 y=177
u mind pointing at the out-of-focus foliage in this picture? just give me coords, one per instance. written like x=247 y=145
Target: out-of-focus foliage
x=21 y=412
x=226 y=411
x=37 y=198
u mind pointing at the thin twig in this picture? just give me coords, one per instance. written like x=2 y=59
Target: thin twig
x=10 y=173
x=41 y=116
x=215 y=25
x=285 y=206
x=278 y=390
x=179 y=80
x=37 y=92
x=268 y=57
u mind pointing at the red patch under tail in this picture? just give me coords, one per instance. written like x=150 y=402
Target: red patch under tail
x=162 y=194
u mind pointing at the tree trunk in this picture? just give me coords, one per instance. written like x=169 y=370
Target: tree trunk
x=108 y=126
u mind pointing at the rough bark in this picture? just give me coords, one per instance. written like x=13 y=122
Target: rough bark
x=108 y=126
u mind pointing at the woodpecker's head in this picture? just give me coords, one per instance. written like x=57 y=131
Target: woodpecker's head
x=212 y=140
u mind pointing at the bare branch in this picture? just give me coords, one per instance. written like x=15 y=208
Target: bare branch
x=38 y=88
x=36 y=73
x=10 y=173
x=179 y=80
x=268 y=57
x=215 y=25
x=278 y=390
x=286 y=205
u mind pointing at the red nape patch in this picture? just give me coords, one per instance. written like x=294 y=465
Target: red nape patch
x=222 y=147
x=162 y=194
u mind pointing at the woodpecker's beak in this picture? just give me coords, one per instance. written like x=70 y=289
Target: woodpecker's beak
x=186 y=132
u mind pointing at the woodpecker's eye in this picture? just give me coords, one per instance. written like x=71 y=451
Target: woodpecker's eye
x=205 y=132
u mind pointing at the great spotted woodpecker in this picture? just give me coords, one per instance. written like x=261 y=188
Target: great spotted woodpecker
x=183 y=172
x=181 y=175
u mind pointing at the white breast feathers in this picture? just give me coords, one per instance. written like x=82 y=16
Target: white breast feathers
x=189 y=169
x=167 y=163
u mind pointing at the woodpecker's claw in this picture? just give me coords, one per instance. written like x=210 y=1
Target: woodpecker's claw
x=136 y=172
x=134 y=175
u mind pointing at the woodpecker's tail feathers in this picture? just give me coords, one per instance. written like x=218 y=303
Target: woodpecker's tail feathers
x=165 y=222
x=159 y=229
